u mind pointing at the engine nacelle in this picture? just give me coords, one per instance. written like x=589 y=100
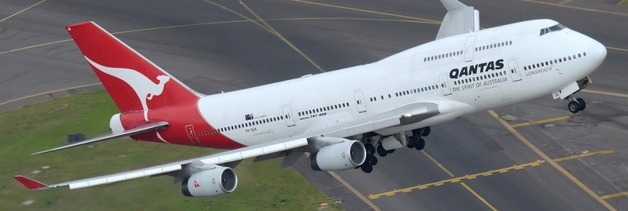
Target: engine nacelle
x=340 y=156
x=212 y=182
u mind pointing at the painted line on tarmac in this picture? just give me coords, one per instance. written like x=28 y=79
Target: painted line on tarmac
x=485 y=174
x=489 y=205
x=21 y=11
x=48 y=92
x=563 y=2
x=576 y=7
x=605 y=93
x=456 y=179
x=353 y=190
x=369 y=11
x=551 y=162
x=216 y=23
x=282 y=38
x=617 y=49
x=542 y=121
x=587 y=154
x=614 y=195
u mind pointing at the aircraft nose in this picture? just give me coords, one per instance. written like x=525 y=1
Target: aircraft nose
x=597 y=51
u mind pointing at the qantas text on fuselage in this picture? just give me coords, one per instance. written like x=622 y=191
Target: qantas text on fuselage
x=476 y=68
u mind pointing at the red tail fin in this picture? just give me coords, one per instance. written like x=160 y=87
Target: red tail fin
x=134 y=82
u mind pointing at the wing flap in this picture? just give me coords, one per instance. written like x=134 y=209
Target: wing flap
x=133 y=131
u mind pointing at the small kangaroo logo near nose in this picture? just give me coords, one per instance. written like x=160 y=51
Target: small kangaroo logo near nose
x=145 y=88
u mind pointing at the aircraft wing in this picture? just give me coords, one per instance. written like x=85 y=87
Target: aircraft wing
x=218 y=158
x=459 y=19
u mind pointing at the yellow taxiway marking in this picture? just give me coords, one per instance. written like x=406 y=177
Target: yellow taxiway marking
x=456 y=179
x=614 y=195
x=282 y=38
x=216 y=23
x=576 y=7
x=617 y=49
x=21 y=11
x=353 y=190
x=453 y=180
x=604 y=93
x=588 y=154
x=563 y=2
x=542 y=121
x=369 y=11
x=484 y=174
x=550 y=161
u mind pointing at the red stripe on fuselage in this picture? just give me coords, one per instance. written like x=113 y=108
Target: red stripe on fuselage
x=180 y=118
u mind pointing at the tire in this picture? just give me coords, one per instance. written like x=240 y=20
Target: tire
x=370 y=149
x=583 y=104
x=381 y=151
x=373 y=160
x=420 y=145
x=426 y=131
x=366 y=168
x=417 y=132
x=390 y=151
x=411 y=141
x=574 y=107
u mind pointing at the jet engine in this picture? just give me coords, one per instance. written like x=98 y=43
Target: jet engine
x=339 y=156
x=212 y=182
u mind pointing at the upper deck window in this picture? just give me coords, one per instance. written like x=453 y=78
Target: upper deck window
x=553 y=28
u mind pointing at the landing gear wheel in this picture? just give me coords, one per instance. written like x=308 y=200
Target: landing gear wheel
x=420 y=144
x=366 y=168
x=583 y=104
x=390 y=151
x=370 y=149
x=372 y=160
x=381 y=151
x=426 y=131
x=574 y=107
x=411 y=141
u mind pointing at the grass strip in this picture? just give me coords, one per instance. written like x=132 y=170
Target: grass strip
x=262 y=185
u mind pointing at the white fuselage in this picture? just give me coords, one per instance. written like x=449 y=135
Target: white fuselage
x=460 y=74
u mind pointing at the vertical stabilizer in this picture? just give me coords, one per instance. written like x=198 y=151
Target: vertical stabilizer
x=460 y=19
x=134 y=82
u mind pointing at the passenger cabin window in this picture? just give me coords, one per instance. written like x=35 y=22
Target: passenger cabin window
x=553 y=28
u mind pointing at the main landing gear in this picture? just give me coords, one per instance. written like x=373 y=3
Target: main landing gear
x=576 y=104
x=387 y=145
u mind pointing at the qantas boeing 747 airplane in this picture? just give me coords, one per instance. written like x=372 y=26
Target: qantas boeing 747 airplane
x=341 y=118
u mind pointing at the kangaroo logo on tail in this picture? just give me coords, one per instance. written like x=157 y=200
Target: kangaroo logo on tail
x=145 y=88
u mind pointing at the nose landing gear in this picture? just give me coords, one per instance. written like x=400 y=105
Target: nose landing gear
x=576 y=104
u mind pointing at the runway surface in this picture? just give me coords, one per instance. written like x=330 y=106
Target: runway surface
x=530 y=156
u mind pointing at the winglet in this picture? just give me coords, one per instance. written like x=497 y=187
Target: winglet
x=30 y=183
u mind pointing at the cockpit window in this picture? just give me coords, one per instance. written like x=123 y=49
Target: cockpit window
x=553 y=28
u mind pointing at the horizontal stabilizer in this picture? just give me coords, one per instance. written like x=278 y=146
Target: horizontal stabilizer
x=133 y=131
